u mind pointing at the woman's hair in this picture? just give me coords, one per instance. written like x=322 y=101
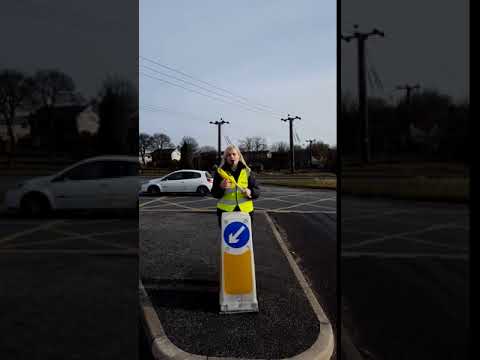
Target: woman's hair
x=230 y=148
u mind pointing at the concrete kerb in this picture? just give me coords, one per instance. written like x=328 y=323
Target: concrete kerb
x=161 y=346
x=163 y=349
x=323 y=347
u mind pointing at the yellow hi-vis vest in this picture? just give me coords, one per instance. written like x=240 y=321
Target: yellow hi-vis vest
x=234 y=196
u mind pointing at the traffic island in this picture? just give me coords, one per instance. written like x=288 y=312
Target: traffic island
x=179 y=295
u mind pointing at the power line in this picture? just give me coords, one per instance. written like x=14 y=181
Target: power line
x=209 y=84
x=200 y=93
x=154 y=108
x=375 y=78
x=296 y=135
x=207 y=90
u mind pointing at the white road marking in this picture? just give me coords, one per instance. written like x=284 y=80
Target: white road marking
x=386 y=237
x=70 y=235
x=169 y=203
x=149 y=202
x=176 y=210
x=29 y=231
x=74 y=236
x=133 y=252
x=373 y=215
x=383 y=255
x=157 y=207
x=310 y=203
x=434 y=244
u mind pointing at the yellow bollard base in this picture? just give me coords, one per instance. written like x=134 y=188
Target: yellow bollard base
x=240 y=307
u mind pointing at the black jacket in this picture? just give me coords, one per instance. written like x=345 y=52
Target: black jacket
x=217 y=191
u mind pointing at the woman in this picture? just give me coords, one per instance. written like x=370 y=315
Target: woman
x=234 y=197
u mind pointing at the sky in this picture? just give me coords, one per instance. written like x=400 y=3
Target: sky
x=426 y=42
x=276 y=57
x=80 y=38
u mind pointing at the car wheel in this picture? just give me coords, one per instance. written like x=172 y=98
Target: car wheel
x=35 y=205
x=153 y=190
x=202 y=190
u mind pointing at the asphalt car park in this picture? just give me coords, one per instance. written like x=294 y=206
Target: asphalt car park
x=104 y=236
x=64 y=282
x=276 y=199
x=405 y=278
x=179 y=268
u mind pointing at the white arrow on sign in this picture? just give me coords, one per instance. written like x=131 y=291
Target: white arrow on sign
x=233 y=239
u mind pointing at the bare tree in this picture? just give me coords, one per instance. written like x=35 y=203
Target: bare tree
x=161 y=141
x=259 y=143
x=49 y=84
x=15 y=87
x=280 y=147
x=207 y=149
x=247 y=144
x=145 y=143
x=320 y=149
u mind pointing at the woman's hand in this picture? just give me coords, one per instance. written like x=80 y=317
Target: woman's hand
x=247 y=192
x=225 y=184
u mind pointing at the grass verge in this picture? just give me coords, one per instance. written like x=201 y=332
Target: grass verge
x=411 y=188
x=415 y=188
x=314 y=183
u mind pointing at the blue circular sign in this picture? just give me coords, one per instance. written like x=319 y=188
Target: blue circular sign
x=236 y=234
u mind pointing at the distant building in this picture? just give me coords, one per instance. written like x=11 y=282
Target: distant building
x=176 y=155
x=88 y=121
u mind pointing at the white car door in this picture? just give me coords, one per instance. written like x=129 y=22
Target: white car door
x=173 y=182
x=192 y=181
x=81 y=187
x=122 y=189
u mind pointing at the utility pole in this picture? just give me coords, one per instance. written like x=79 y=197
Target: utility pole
x=292 y=152
x=310 y=147
x=408 y=91
x=362 y=85
x=219 y=124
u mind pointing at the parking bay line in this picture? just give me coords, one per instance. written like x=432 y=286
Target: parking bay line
x=29 y=231
x=387 y=237
x=127 y=252
x=148 y=202
x=80 y=236
x=399 y=256
x=312 y=203
x=171 y=204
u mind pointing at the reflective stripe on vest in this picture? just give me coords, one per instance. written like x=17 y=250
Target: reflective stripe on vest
x=234 y=196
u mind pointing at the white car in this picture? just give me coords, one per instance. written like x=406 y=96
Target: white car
x=103 y=182
x=191 y=181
